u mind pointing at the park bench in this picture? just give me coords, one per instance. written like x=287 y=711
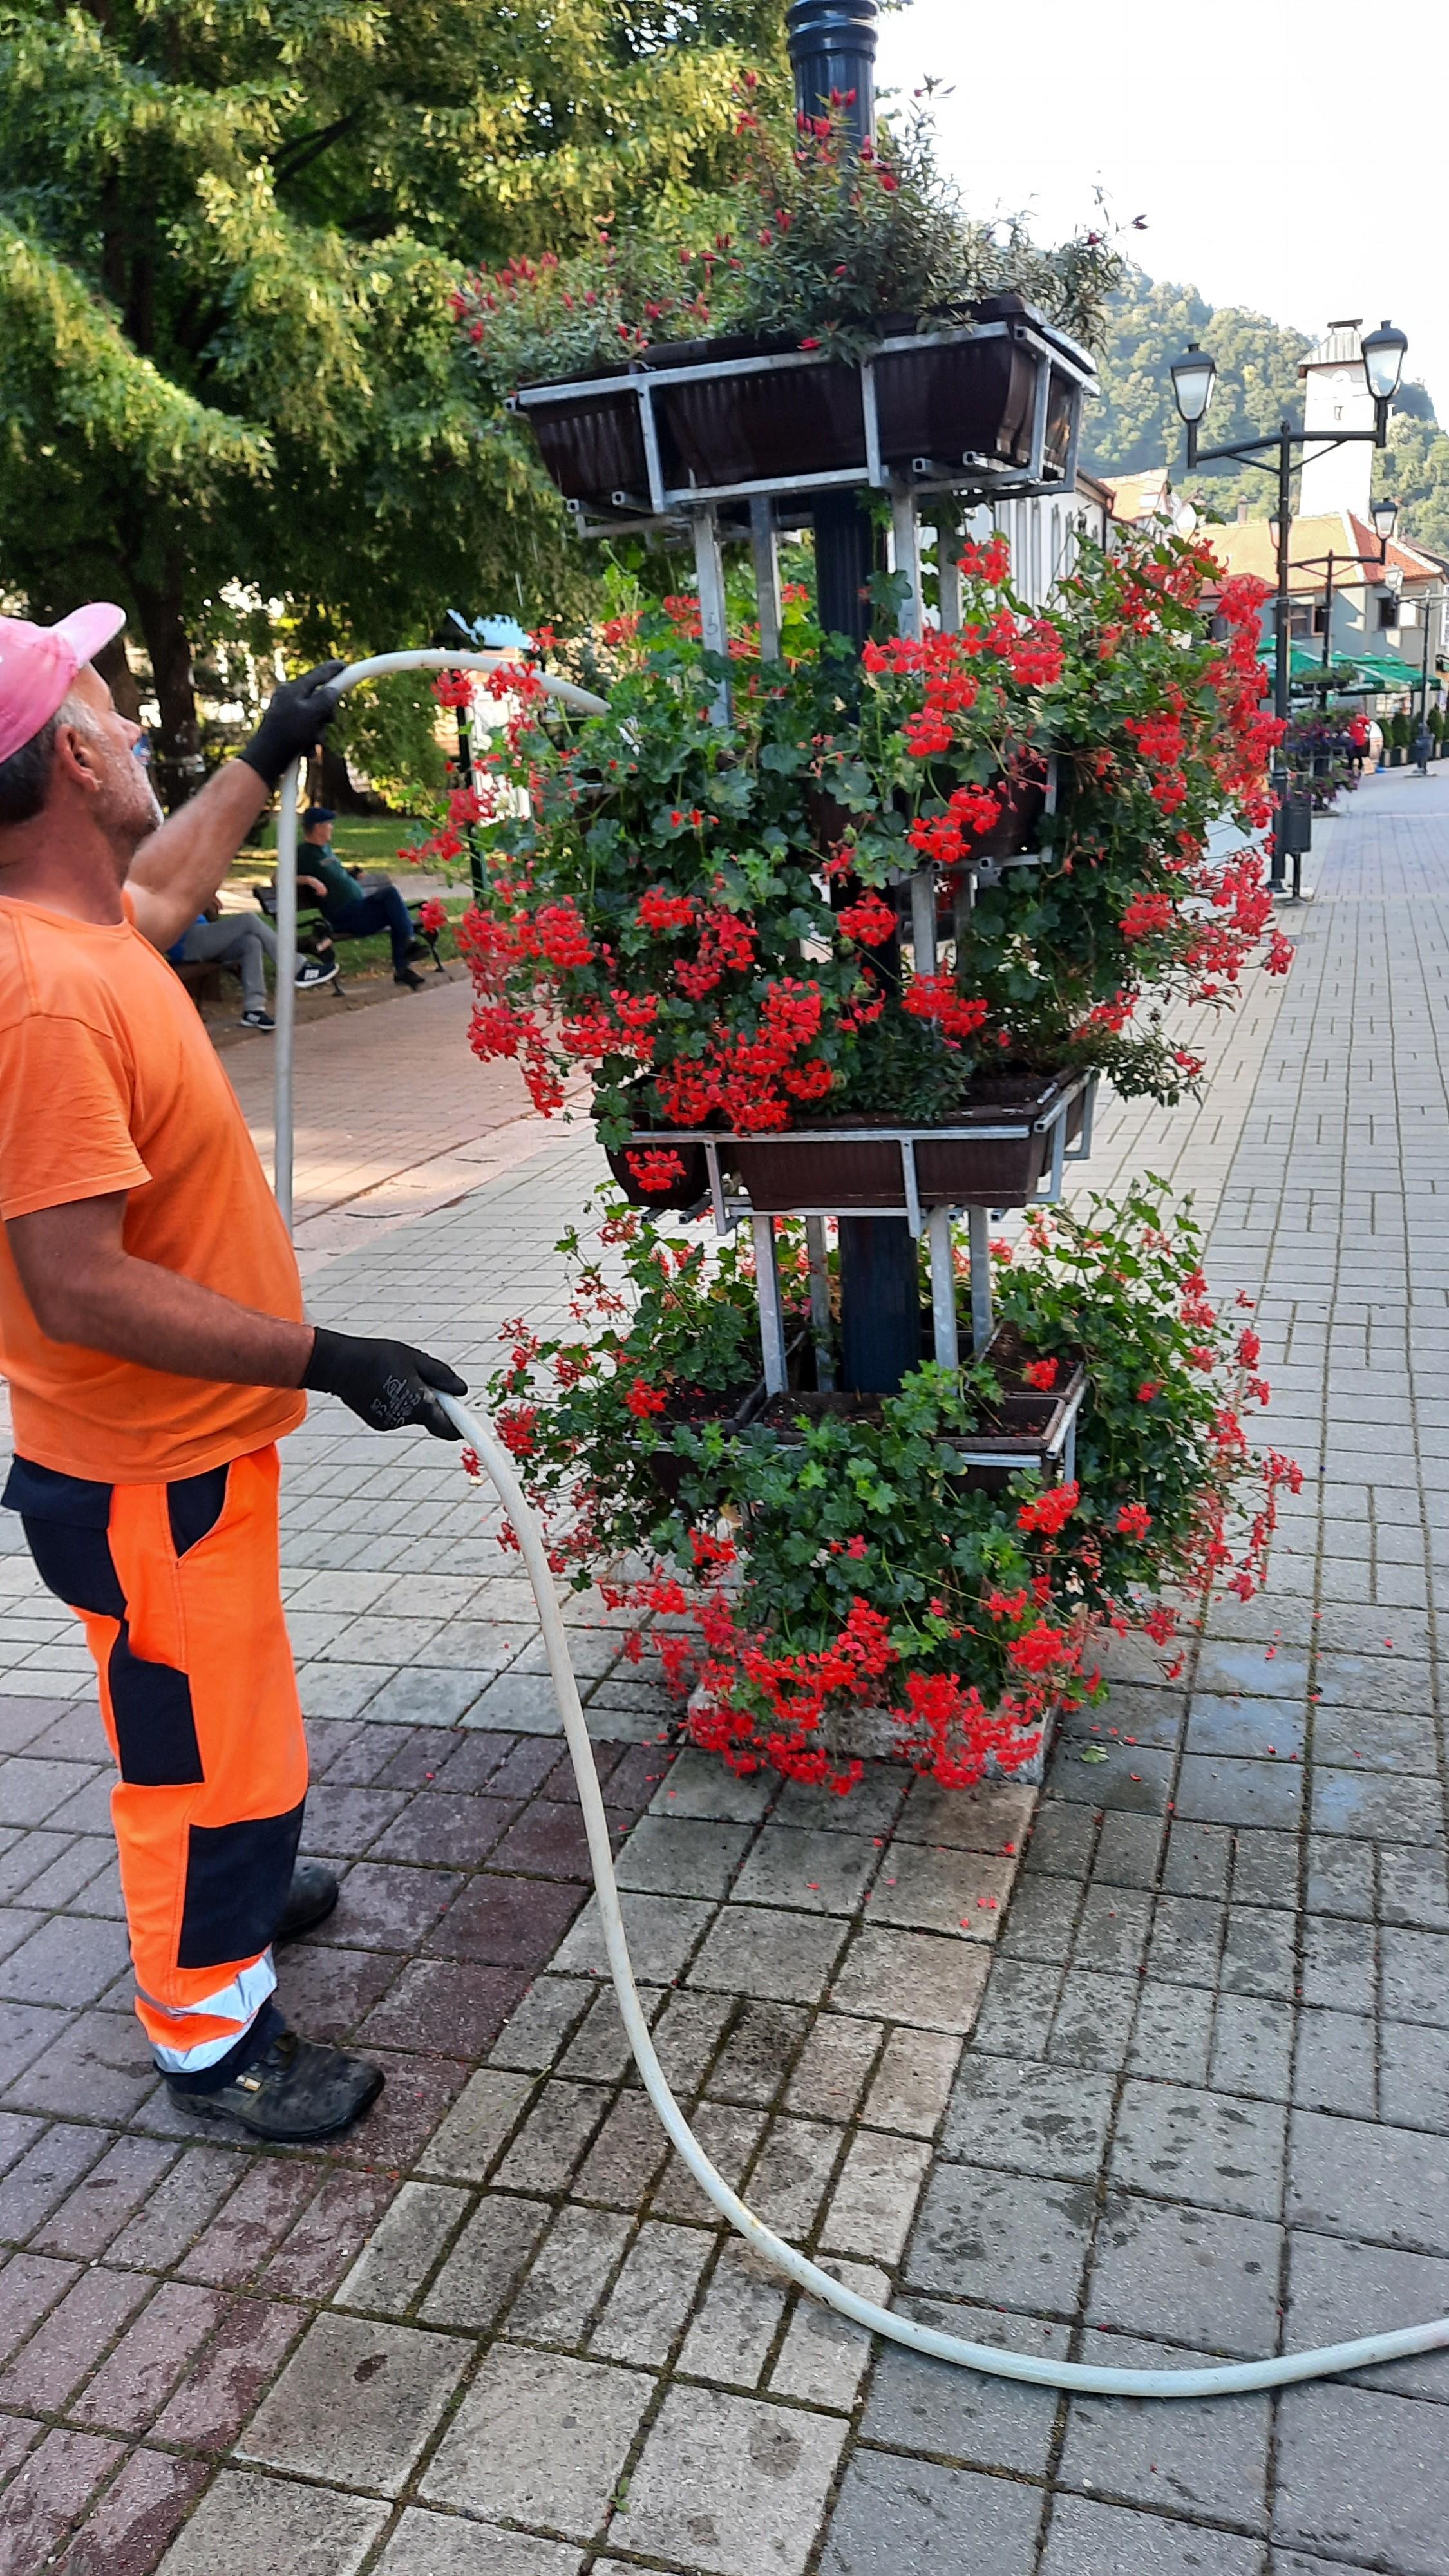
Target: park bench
x=314 y=938
x=203 y=978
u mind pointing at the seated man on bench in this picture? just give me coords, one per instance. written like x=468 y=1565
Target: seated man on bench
x=242 y=940
x=347 y=911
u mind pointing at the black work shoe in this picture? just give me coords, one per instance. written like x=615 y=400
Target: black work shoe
x=406 y=977
x=310 y=1899
x=295 y=2092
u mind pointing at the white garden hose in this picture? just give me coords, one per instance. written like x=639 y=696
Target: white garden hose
x=582 y=701
x=1224 y=2380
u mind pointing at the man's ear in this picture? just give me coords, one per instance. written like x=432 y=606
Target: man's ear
x=77 y=759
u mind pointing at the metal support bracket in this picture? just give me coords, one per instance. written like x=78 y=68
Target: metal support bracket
x=724 y=1223
x=1081 y=1151
x=943 y=1288
x=767 y=1291
x=906 y=558
x=764 y=547
x=713 y=618
x=978 y=1236
x=820 y=1315
x=923 y=920
x=948 y=580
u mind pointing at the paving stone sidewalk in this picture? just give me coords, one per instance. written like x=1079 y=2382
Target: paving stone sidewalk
x=1182 y=2089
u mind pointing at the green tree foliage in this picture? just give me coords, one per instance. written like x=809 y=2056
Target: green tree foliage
x=228 y=240
x=1414 y=467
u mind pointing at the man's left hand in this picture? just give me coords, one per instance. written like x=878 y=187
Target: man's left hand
x=298 y=713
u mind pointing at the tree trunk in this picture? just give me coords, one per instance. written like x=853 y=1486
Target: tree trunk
x=114 y=666
x=179 y=765
x=335 y=786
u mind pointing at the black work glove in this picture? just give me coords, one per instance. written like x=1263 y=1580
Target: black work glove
x=387 y=1384
x=296 y=716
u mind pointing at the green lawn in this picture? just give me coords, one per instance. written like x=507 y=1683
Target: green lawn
x=360 y=841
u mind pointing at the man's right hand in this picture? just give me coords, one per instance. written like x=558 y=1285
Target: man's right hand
x=388 y=1385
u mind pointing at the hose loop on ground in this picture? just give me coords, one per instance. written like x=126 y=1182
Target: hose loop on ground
x=1091 y=2379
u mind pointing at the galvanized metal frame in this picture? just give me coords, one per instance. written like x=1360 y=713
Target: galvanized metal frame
x=765 y=550
x=772 y=1315
x=817 y=1254
x=730 y=1209
x=1062 y=1443
x=943 y=1288
x=978 y=1241
x=986 y=475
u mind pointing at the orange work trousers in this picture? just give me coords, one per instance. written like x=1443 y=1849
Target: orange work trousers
x=179 y=1588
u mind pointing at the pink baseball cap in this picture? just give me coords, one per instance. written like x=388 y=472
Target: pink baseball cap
x=38 y=664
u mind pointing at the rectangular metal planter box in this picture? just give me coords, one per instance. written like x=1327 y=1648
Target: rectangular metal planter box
x=992 y=1156
x=591 y=440
x=996 y=400
x=1037 y=1431
x=869 y=1734
x=666 y=1468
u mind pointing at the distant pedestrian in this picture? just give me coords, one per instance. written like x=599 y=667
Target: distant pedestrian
x=348 y=912
x=1358 y=743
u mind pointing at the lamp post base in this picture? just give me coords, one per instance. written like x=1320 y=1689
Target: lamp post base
x=880 y=1303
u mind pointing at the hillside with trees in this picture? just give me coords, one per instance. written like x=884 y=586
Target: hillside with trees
x=1135 y=425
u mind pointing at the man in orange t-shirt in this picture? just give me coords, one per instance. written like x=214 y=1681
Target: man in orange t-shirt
x=152 y=1333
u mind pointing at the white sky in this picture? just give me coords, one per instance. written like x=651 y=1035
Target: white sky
x=1286 y=153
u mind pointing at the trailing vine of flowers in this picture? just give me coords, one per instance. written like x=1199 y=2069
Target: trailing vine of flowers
x=823 y=239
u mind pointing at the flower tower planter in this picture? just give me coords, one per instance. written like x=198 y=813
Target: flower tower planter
x=847 y=951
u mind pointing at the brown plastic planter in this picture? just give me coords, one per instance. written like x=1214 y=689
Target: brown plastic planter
x=968 y=398
x=744 y=429
x=1026 y=1430
x=592 y=444
x=821 y=1168
x=665 y=1466
x=647 y=1138
x=685 y=1193
x=958 y=390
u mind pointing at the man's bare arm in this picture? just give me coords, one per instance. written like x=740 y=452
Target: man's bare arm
x=176 y=874
x=84 y=1287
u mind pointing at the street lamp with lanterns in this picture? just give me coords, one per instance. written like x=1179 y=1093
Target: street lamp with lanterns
x=1194 y=375
x=1384 y=515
